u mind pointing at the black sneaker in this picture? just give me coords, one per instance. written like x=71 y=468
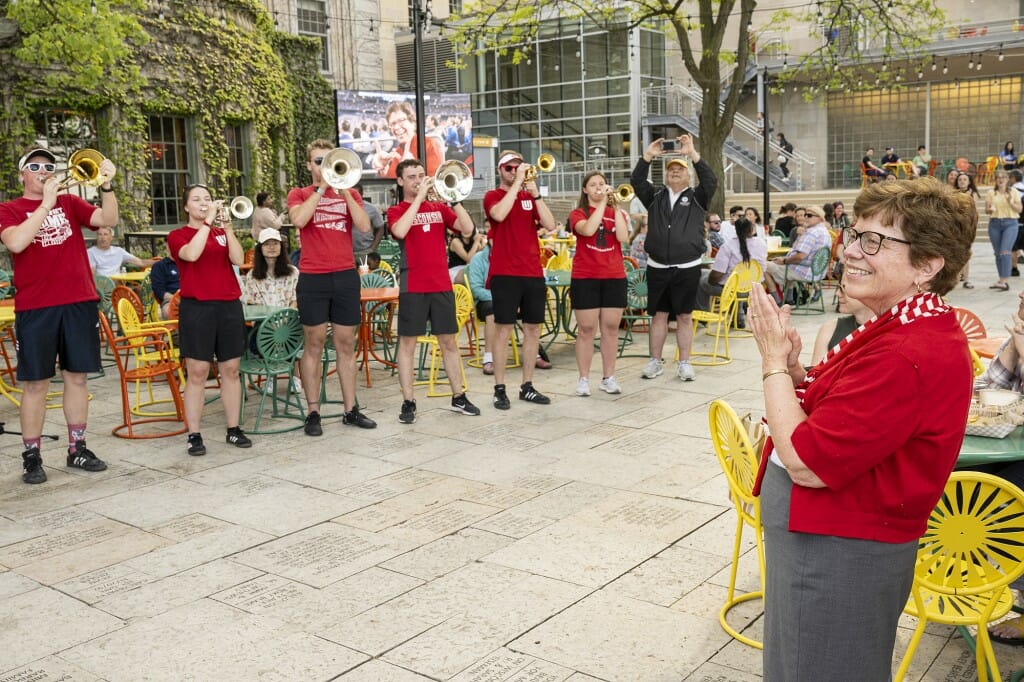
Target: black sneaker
x=501 y=398
x=84 y=458
x=195 y=445
x=33 y=463
x=237 y=438
x=312 y=427
x=408 y=414
x=460 y=403
x=357 y=418
x=531 y=395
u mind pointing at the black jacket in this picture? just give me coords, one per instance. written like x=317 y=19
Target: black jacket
x=675 y=234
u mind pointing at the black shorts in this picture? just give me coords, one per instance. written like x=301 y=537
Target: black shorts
x=69 y=332
x=483 y=309
x=328 y=297
x=518 y=296
x=588 y=294
x=672 y=290
x=211 y=329
x=415 y=310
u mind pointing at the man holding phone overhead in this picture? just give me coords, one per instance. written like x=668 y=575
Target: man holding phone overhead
x=674 y=245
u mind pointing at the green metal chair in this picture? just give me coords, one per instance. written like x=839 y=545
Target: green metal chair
x=390 y=252
x=635 y=314
x=278 y=344
x=807 y=293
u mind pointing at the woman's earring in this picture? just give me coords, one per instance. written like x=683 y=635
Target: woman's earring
x=918 y=285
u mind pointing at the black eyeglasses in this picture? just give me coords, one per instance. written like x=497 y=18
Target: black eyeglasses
x=318 y=160
x=870 y=242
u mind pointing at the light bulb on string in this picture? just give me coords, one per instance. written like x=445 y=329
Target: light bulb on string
x=945 y=65
x=970 y=63
x=934 y=65
x=1000 y=52
x=977 y=66
x=92 y=7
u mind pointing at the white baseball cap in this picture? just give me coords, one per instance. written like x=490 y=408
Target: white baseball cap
x=268 y=233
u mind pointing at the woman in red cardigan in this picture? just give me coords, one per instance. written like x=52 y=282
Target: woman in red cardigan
x=862 y=444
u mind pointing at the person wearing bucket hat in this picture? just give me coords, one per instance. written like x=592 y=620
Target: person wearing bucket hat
x=515 y=278
x=43 y=231
x=675 y=246
x=273 y=278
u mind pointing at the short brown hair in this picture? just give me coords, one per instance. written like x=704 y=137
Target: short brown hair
x=321 y=143
x=935 y=219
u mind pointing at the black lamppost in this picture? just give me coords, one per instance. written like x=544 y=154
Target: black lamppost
x=762 y=87
x=419 y=17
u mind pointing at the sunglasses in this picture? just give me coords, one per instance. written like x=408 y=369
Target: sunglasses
x=318 y=160
x=715 y=222
x=36 y=167
x=511 y=167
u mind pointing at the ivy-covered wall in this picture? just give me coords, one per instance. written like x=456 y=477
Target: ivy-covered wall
x=218 y=64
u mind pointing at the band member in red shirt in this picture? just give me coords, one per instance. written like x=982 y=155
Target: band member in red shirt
x=516 y=279
x=328 y=288
x=54 y=301
x=425 y=293
x=210 y=319
x=598 y=288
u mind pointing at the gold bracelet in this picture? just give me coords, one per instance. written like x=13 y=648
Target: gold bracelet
x=773 y=371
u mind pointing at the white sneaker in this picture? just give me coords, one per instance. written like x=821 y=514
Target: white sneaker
x=583 y=386
x=654 y=368
x=297 y=385
x=685 y=371
x=609 y=385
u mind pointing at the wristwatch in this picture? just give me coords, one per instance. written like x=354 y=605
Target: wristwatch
x=320 y=190
x=106 y=190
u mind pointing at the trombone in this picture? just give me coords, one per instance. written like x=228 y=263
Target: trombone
x=545 y=164
x=341 y=168
x=84 y=169
x=452 y=182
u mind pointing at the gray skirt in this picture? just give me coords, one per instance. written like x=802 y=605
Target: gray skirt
x=831 y=604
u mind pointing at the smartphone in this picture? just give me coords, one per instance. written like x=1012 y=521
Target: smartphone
x=668 y=145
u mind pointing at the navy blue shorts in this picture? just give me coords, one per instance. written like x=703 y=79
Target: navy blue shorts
x=69 y=332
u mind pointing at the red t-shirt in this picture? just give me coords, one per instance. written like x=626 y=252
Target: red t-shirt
x=424 y=264
x=515 y=249
x=211 y=278
x=598 y=256
x=327 y=238
x=54 y=269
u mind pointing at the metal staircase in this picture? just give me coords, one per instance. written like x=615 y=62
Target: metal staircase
x=678 y=105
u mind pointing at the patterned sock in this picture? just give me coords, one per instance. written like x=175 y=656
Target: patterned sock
x=76 y=432
x=30 y=443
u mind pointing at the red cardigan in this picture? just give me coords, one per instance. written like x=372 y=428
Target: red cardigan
x=883 y=432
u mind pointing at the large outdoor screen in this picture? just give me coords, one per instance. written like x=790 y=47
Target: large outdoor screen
x=381 y=128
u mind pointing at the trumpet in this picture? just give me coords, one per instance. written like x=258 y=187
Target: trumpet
x=341 y=168
x=623 y=193
x=545 y=164
x=452 y=182
x=240 y=208
x=84 y=169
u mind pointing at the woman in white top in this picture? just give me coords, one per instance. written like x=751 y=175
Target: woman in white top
x=273 y=278
x=742 y=248
x=1003 y=205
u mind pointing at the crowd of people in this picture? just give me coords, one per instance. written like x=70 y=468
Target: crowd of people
x=841 y=516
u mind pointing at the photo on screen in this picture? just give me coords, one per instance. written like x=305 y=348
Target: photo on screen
x=381 y=128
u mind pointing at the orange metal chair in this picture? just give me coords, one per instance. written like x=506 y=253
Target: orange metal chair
x=162 y=366
x=987 y=172
x=978 y=339
x=121 y=292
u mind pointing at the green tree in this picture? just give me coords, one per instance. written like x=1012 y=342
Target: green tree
x=702 y=28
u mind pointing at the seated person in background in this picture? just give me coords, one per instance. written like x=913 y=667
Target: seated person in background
x=1005 y=371
x=636 y=242
x=890 y=156
x=164 y=280
x=744 y=247
x=713 y=230
x=787 y=220
x=870 y=169
x=835 y=330
x=106 y=260
x=461 y=250
x=922 y=162
x=798 y=260
x=365 y=242
x=373 y=261
x=272 y=279
x=1008 y=157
